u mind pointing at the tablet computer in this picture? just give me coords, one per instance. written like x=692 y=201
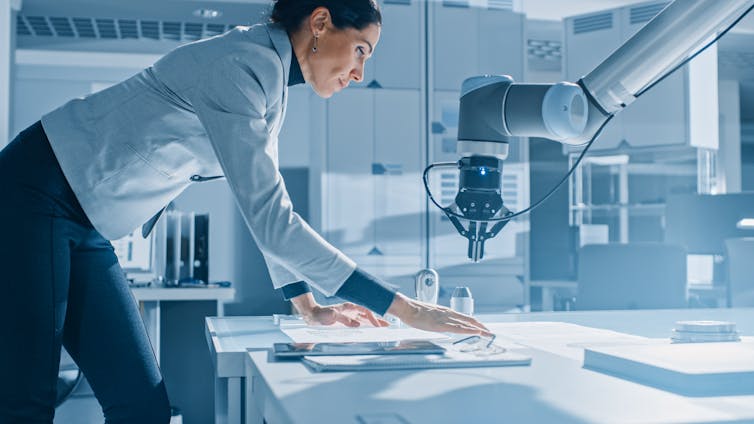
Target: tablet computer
x=357 y=348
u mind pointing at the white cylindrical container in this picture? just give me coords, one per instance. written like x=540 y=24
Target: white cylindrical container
x=461 y=301
x=427 y=284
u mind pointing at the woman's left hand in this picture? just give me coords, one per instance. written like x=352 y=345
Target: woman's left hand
x=348 y=314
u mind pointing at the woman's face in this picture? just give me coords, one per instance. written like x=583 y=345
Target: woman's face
x=340 y=54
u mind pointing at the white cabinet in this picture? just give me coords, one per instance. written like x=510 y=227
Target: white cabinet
x=373 y=203
x=396 y=172
x=454 y=45
x=501 y=41
x=680 y=111
x=349 y=200
x=470 y=41
x=397 y=60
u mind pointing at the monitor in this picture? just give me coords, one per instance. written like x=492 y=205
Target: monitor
x=134 y=254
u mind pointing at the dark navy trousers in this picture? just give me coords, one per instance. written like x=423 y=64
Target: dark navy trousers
x=60 y=283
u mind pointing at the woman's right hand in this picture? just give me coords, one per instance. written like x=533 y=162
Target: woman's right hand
x=426 y=316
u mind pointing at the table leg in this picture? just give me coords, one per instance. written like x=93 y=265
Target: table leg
x=547 y=299
x=254 y=413
x=235 y=400
x=220 y=308
x=228 y=400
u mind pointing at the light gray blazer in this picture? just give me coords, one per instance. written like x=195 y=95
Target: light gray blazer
x=213 y=107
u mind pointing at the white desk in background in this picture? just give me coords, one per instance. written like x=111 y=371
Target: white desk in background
x=549 y=288
x=552 y=386
x=569 y=289
x=150 y=298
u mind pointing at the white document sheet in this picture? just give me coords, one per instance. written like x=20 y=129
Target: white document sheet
x=340 y=334
x=560 y=338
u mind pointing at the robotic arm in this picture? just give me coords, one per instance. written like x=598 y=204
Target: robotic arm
x=494 y=109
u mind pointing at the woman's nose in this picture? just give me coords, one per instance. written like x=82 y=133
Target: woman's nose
x=357 y=74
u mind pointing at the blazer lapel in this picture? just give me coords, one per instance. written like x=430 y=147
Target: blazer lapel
x=282 y=45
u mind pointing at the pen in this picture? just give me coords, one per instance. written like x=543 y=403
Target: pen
x=491 y=341
x=474 y=338
x=466 y=340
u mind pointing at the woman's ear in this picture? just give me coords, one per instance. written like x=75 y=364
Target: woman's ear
x=319 y=20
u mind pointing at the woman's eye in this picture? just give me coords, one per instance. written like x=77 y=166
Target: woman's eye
x=361 y=51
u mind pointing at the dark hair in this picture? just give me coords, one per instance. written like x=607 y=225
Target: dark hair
x=357 y=14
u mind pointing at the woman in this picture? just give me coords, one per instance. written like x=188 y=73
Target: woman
x=98 y=167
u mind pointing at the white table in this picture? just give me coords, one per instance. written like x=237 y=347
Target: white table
x=550 y=287
x=228 y=340
x=150 y=298
x=552 y=389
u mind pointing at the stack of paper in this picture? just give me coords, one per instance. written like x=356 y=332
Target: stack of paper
x=704 y=331
x=694 y=369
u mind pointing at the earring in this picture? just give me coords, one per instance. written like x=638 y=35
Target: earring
x=314 y=47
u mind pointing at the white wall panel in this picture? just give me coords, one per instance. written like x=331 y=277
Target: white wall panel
x=397 y=60
x=350 y=188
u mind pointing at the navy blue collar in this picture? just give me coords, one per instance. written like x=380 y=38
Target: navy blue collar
x=295 y=76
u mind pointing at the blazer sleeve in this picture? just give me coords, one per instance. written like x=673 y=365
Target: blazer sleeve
x=231 y=102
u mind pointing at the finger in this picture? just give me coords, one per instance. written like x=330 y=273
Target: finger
x=351 y=306
x=347 y=321
x=488 y=333
x=379 y=322
x=365 y=314
x=371 y=319
x=348 y=309
x=480 y=330
x=354 y=307
x=479 y=327
x=469 y=320
x=461 y=329
x=479 y=324
x=369 y=316
x=467 y=324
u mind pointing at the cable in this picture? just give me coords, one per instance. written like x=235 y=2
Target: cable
x=552 y=191
x=531 y=207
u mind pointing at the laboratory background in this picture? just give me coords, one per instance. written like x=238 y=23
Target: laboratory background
x=658 y=215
